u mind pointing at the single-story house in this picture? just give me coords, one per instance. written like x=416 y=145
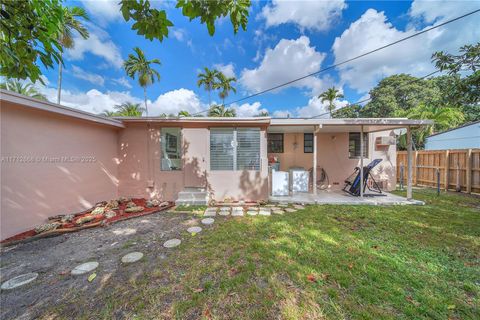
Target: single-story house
x=466 y=136
x=58 y=160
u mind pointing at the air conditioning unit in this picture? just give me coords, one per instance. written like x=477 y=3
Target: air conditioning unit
x=385 y=141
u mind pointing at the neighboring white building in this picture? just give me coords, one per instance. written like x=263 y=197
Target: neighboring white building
x=463 y=137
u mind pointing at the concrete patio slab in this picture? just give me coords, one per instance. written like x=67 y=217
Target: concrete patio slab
x=343 y=198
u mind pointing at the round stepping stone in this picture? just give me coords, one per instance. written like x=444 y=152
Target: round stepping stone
x=84 y=268
x=132 y=257
x=19 y=281
x=194 y=229
x=252 y=213
x=290 y=210
x=224 y=213
x=208 y=221
x=172 y=243
x=278 y=212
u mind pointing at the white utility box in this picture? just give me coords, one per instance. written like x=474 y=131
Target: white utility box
x=280 y=183
x=299 y=179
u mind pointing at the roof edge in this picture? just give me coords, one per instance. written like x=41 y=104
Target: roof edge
x=452 y=129
x=30 y=102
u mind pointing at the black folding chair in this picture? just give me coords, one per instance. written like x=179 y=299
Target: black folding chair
x=353 y=185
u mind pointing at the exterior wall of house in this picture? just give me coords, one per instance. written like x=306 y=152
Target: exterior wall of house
x=136 y=168
x=332 y=155
x=466 y=137
x=43 y=184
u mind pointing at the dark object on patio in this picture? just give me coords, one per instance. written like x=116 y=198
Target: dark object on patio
x=352 y=186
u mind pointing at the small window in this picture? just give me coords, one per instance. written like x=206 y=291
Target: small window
x=171 y=143
x=354 y=145
x=275 y=143
x=308 y=142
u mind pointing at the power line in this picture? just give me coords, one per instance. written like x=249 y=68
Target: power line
x=348 y=60
x=368 y=99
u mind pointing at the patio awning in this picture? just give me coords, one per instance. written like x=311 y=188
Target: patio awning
x=344 y=125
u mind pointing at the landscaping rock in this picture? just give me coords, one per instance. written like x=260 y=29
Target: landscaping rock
x=131 y=204
x=67 y=218
x=152 y=203
x=112 y=204
x=46 y=227
x=124 y=199
x=110 y=214
x=19 y=281
x=98 y=210
x=194 y=229
x=84 y=219
x=84 y=268
x=132 y=257
x=172 y=243
x=208 y=221
x=134 y=209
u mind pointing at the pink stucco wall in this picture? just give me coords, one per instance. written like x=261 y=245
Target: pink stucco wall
x=136 y=169
x=332 y=155
x=38 y=188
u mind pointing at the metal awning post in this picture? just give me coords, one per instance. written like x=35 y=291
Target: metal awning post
x=409 y=163
x=361 y=161
x=314 y=182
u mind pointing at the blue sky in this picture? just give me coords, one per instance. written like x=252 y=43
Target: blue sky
x=284 y=40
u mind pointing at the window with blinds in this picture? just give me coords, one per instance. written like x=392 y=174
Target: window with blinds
x=235 y=149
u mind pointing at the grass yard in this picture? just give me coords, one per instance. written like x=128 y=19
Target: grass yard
x=331 y=262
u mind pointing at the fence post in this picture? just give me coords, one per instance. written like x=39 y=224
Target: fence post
x=438 y=181
x=469 y=170
x=402 y=170
x=447 y=168
x=415 y=172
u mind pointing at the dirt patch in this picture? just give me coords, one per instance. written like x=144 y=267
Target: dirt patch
x=54 y=258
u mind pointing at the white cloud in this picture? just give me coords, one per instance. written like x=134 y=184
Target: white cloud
x=99 y=44
x=316 y=107
x=288 y=60
x=227 y=69
x=175 y=101
x=103 y=11
x=87 y=76
x=313 y=14
x=249 y=109
x=413 y=56
x=179 y=34
x=123 y=82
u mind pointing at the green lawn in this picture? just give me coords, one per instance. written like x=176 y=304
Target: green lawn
x=332 y=262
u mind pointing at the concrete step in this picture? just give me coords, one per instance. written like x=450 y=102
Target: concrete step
x=192 y=197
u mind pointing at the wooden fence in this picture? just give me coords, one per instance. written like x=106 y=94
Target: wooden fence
x=459 y=169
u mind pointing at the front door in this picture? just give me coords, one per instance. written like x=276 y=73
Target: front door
x=195 y=146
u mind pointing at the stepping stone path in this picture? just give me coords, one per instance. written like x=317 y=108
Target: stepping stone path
x=210 y=212
x=283 y=205
x=194 y=229
x=208 y=221
x=264 y=212
x=237 y=211
x=278 y=211
x=84 y=268
x=275 y=208
x=252 y=212
x=224 y=211
x=172 y=243
x=291 y=210
x=298 y=207
x=19 y=281
x=132 y=257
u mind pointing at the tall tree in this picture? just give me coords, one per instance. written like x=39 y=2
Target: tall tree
x=68 y=26
x=137 y=65
x=129 y=109
x=184 y=113
x=208 y=80
x=351 y=111
x=225 y=85
x=27 y=89
x=221 y=111
x=330 y=95
x=262 y=114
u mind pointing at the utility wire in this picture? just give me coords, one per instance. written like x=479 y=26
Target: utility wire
x=368 y=99
x=349 y=60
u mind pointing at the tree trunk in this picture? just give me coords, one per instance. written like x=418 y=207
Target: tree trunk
x=59 y=83
x=145 y=98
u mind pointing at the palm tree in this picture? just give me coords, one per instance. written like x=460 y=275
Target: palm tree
x=108 y=113
x=263 y=114
x=224 y=84
x=27 y=89
x=128 y=109
x=184 y=113
x=221 y=111
x=69 y=25
x=138 y=66
x=330 y=95
x=208 y=81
